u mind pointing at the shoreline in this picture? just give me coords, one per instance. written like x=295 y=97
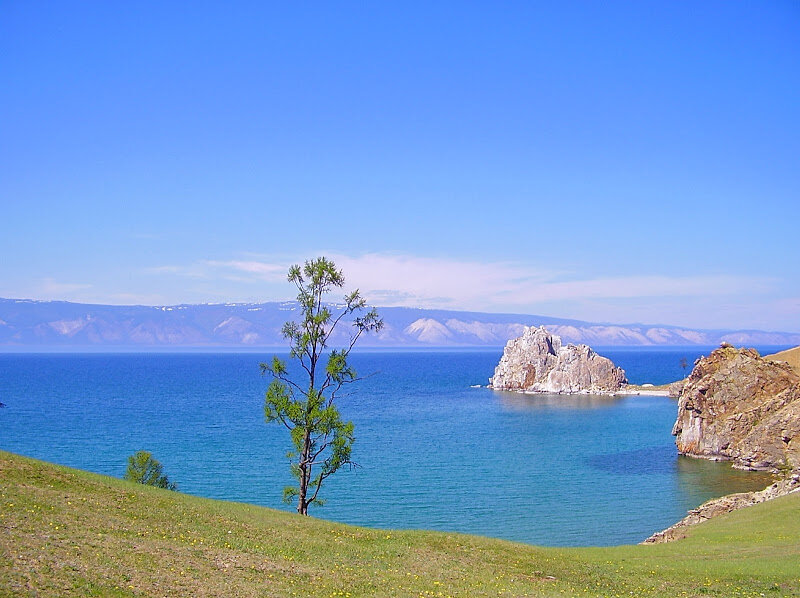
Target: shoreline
x=723 y=505
x=633 y=390
x=628 y=391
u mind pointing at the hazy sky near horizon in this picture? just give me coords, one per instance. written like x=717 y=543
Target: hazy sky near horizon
x=607 y=161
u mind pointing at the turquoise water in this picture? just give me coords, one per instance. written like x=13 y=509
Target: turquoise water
x=433 y=451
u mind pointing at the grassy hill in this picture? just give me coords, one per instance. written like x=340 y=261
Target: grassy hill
x=791 y=356
x=68 y=532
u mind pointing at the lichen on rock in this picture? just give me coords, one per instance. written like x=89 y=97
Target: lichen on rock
x=537 y=362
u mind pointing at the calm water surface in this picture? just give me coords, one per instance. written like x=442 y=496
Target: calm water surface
x=433 y=451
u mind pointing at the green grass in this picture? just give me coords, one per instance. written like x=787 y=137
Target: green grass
x=67 y=532
x=791 y=356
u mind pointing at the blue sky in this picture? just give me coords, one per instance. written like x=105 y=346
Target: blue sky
x=609 y=161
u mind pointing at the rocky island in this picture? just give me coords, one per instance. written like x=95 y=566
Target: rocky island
x=537 y=362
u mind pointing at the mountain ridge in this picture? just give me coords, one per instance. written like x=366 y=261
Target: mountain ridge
x=31 y=323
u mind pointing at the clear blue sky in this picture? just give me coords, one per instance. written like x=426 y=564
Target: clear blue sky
x=610 y=161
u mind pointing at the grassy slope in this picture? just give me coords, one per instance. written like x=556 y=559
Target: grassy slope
x=792 y=356
x=67 y=532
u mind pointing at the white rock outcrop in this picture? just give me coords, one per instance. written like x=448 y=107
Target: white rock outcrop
x=537 y=362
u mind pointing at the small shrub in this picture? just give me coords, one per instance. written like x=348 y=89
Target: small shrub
x=144 y=469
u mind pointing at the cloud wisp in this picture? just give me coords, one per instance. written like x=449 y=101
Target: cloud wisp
x=50 y=287
x=413 y=281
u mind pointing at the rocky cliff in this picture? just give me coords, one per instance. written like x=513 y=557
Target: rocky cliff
x=537 y=362
x=738 y=406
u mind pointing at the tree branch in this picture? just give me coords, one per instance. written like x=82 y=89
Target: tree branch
x=283 y=378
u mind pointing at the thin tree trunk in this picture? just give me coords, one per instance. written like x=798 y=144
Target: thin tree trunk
x=305 y=465
x=305 y=474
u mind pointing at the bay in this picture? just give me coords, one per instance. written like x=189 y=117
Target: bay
x=436 y=449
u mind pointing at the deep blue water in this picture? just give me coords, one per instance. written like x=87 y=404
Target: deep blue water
x=433 y=451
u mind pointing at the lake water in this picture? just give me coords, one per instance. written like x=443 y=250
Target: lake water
x=433 y=451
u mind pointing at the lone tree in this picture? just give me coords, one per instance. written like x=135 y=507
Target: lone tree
x=321 y=441
x=144 y=469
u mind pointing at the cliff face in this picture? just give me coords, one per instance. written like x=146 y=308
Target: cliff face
x=738 y=406
x=537 y=362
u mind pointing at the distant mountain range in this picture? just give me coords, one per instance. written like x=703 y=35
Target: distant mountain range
x=27 y=323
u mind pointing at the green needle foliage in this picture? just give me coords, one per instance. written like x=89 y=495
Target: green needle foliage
x=322 y=442
x=144 y=469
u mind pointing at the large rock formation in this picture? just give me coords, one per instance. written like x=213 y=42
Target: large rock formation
x=738 y=406
x=536 y=362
